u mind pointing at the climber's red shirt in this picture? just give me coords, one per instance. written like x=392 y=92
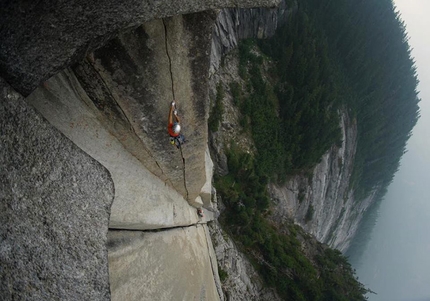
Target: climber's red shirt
x=171 y=132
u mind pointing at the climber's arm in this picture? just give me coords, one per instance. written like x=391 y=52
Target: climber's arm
x=177 y=118
x=171 y=114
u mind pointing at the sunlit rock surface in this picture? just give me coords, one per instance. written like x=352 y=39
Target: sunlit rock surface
x=176 y=264
x=142 y=200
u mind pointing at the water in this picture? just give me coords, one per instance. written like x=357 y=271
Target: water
x=396 y=261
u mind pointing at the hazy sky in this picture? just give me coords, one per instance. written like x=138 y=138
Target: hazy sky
x=396 y=263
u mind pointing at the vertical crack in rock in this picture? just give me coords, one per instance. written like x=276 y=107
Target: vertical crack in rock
x=169 y=58
x=183 y=170
x=174 y=98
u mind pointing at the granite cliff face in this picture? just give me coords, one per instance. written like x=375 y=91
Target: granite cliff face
x=107 y=76
x=114 y=106
x=95 y=155
x=125 y=89
x=235 y=24
x=322 y=202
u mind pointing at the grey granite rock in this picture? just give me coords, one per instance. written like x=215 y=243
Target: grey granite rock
x=242 y=281
x=141 y=72
x=54 y=210
x=336 y=214
x=235 y=24
x=143 y=200
x=175 y=264
x=40 y=38
x=124 y=89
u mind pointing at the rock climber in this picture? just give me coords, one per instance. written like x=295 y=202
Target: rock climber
x=200 y=212
x=174 y=127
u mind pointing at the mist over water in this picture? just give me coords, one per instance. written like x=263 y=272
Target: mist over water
x=396 y=261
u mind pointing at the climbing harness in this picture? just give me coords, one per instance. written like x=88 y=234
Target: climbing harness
x=178 y=140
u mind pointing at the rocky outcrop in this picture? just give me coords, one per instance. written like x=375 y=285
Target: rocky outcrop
x=235 y=24
x=177 y=264
x=322 y=202
x=242 y=282
x=54 y=210
x=42 y=38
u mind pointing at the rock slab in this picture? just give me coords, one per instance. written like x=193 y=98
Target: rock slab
x=123 y=92
x=175 y=264
x=142 y=200
x=54 y=211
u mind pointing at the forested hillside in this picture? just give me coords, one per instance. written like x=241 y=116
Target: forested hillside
x=353 y=54
x=369 y=45
x=330 y=57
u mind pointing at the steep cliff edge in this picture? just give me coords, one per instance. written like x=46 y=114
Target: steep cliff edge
x=319 y=200
x=235 y=24
x=114 y=106
x=322 y=202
